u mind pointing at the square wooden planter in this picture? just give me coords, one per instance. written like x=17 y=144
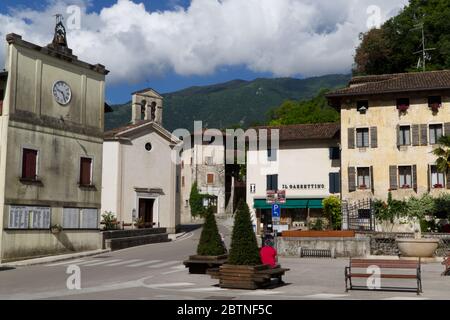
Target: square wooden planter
x=246 y=277
x=201 y=264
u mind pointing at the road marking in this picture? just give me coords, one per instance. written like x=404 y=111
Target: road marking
x=122 y=263
x=140 y=264
x=164 y=264
x=405 y=298
x=65 y=262
x=262 y=293
x=169 y=285
x=101 y=262
x=202 y=289
x=326 y=296
x=176 y=269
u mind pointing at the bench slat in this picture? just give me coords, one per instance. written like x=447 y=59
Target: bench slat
x=386 y=276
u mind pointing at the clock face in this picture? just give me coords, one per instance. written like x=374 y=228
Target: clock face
x=62 y=92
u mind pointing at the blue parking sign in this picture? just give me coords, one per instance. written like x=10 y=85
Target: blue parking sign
x=276 y=210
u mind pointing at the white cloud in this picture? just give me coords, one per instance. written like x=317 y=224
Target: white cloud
x=283 y=37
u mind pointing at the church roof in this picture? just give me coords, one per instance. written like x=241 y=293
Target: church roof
x=124 y=133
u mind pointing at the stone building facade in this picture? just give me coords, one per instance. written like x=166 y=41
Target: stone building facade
x=390 y=125
x=52 y=118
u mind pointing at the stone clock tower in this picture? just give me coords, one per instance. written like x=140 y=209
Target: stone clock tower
x=51 y=123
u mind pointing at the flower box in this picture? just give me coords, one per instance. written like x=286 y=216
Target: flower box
x=362 y=187
x=438 y=186
x=403 y=107
x=435 y=106
x=406 y=186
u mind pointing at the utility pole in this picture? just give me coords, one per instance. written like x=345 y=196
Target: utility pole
x=424 y=49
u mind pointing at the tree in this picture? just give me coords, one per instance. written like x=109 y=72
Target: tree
x=443 y=154
x=315 y=110
x=391 y=48
x=210 y=243
x=244 y=248
x=332 y=210
x=196 y=201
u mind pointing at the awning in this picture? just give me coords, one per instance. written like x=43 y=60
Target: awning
x=291 y=204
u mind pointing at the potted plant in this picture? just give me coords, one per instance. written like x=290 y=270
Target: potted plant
x=211 y=250
x=406 y=186
x=56 y=228
x=109 y=221
x=417 y=209
x=139 y=223
x=438 y=186
x=243 y=269
x=363 y=187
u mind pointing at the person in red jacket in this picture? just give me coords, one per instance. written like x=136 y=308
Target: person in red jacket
x=268 y=254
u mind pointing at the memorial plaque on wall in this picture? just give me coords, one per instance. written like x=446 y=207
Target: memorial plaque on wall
x=71 y=218
x=89 y=219
x=18 y=217
x=40 y=217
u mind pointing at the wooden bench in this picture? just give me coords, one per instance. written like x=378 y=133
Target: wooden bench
x=354 y=270
x=446 y=263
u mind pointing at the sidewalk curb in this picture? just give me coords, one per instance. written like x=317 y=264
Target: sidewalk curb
x=174 y=237
x=50 y=259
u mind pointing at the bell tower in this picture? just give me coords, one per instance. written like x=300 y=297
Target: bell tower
x=147 y=105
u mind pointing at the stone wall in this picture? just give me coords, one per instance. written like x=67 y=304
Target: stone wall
x=383 y=243
x=342 y=247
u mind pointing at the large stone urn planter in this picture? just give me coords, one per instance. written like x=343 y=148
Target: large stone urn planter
x=422 y=248
x=201 y=264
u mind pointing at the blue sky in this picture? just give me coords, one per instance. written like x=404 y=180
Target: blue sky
x=120 y=93
x=174 y=44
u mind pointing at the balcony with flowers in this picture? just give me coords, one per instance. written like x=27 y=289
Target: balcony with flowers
x=434 y=103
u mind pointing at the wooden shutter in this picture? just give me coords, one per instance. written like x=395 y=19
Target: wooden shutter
x=85 y=171
x=275 y=182
x=268 y=182
x=29 y=162
x=210 y=178
x=331 y=182
x=1 y=102
x=415 y=135
x=448 y=179
x=414 y=177
x=182 y=181
x=372 y=187
x=398 y=136
x=447 y=129
x=351 y=179
x=429 y=177
x=374 y=137
x=393 y=185
x=423 y=134
x=351 y=138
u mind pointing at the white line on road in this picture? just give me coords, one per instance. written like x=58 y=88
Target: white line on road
x=164 y=264
x=140 y=264
x=326 y=296
x=122 y=263
x=176 y=269
x=169 y=285
x=203 y=289
x=98 y=263
x=65 y=262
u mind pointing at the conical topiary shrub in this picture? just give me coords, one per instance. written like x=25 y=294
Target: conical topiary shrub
x=210 y=241
x=244 y=248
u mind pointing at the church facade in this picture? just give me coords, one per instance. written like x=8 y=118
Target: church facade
x=140 y=172
x=51 y=120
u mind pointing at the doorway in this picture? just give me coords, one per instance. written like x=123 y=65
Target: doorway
x=146 y=212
